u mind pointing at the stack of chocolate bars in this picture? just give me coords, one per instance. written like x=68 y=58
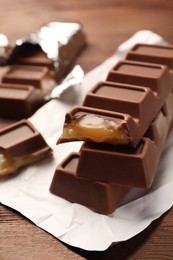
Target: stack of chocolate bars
x=124 y=122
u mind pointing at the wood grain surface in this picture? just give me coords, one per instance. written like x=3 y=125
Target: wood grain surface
x=107 y=23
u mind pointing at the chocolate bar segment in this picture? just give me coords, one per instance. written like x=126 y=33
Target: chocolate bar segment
x=21 y=144
x=123 y=165
x=100 y=197
x=141 y=74
x=36 y=76
x=18 y=101
x=130 y=111
x=158 y=54
x=33 y=55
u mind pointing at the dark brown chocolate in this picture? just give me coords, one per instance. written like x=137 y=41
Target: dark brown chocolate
x=123 y=165
x=18 y=101
x=139 y=73
x=21 y=144
x=150 y=53
x=130 y=111
x=98 y=196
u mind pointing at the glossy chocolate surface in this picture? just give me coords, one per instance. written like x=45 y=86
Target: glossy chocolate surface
x=135 y=167
x=18 y=101
x=37 y=76
x=139 y=73
x=137 y=106
x=158 y=54
x=98 y=196
x=21 y=139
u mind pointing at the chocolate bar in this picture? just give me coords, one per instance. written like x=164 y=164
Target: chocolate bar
x=130 y=111
x=108 y=172
x=115 y=112
x=158 y=54
x=18 y=101
x=55 y=45
x=138 y=73
x=126 y=165
x=21 y=144
x=98 y=196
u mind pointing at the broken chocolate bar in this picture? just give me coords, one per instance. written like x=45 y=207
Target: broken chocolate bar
x=103 y=197
x=139 y=73
x=126 y=165
x=18 y=101
x=130 y=111
x=21 y=144
x=150 y=53
x=55 y=45
x=108 y=172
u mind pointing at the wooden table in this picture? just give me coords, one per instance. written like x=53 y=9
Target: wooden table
x=107 y=23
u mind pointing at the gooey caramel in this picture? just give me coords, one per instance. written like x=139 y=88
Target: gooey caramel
x=95 y=128
x=9 y=164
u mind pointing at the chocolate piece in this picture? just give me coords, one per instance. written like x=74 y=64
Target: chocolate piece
x=141 y=74
x=98 y=196
x=18 y=101
x=158 y=54
x=21 y=144
x=36 y=76
x=123 y=165
x=132 y=109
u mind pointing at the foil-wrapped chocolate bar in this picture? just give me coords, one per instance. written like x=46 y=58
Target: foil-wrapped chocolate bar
x=21 y=144
x=55 y=45
x=40 y=61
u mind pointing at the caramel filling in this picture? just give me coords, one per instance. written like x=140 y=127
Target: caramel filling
x=6 y=162
x=9 y=165
x=97 y=129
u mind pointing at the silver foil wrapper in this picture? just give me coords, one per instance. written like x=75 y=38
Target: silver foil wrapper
x=61 y=42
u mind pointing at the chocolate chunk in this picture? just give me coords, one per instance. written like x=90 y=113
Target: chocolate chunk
x=139 y=73
x=98 y=196
x=21 y=144
x=18 y=101
x=37 y=76
x=149 y=53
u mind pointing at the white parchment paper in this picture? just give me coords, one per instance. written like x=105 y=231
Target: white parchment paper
x=28 y=192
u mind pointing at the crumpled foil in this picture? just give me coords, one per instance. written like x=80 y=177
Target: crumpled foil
x=60 y=41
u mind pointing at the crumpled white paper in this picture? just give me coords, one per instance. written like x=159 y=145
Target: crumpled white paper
x=28 y=192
